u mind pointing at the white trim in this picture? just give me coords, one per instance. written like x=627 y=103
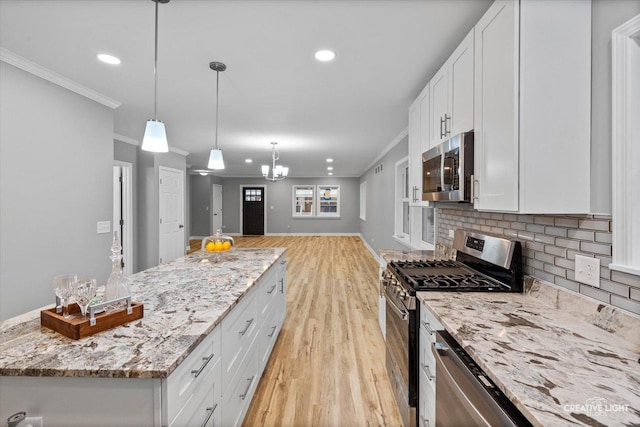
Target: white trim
x=178 y=151
x=24 y=64
x=314 y=234
x=373 y=251
x=403 y=134
x=127 y=195
x=625 y=207
x=125 y=139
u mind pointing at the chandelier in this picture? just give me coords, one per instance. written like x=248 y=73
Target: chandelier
x=278 y=172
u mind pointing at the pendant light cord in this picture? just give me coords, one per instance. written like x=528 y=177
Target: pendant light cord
x=155 y=69
x=217 y=90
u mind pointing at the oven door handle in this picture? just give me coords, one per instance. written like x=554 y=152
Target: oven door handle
x=403 y=314
x=444 y=374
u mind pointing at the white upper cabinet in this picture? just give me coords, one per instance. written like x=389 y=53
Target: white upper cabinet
x=418 y=143
x=532 y=114
x=451 y=99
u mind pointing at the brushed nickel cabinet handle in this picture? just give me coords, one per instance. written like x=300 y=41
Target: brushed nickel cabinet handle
x=249 y=322
x=206 y=360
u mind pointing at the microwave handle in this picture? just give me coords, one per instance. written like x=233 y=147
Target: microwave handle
x=473 y=188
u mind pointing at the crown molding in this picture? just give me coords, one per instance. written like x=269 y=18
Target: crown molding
x=178 y=151
x=403 y=133
x=31 y=67
x=125 y=139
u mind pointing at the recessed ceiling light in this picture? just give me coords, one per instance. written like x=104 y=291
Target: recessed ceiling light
x=329 y=160
x=330 y=173
x=325 y=55
x=248 y=161
x=203 y=173
x=330 y=168
x=108 y=59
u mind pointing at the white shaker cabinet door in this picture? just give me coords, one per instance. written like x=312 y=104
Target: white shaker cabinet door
x=496 y=108
x=461 y=87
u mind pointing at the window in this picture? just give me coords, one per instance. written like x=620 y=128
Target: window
x=363 y=200
x=303 y=199
x=253 y=195
x=428 y=226
x=329 y=200
x=402 y=212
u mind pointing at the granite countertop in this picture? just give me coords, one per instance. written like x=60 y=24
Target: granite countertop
x=561 y=358
x=183 y=302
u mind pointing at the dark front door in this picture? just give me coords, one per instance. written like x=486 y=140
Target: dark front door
x=253 y=211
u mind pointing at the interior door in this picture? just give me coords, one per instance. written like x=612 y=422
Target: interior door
x=253 y=211
x=216 y=209
x=123 y=211
x=172 y=240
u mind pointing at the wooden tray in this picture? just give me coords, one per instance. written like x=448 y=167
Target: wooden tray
x=78 y=327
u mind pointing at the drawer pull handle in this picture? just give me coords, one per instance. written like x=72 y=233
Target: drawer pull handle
x=206 y=361
x=282 y=286
x=249 y=322
x=427 y=326
x=210 y=412
x=273 y=330
x=250 y=381
x=273 y=288
x=428 y=372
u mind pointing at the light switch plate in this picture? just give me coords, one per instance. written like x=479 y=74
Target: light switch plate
x=451 y=234
x=588 y=270
x=104 y=227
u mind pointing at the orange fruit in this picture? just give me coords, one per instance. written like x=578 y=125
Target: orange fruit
x=218 y=245
x=226 y=245
x=210 y=247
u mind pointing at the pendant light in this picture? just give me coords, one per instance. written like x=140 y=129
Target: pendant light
x=155 y=136
x=278 y=172
x=216 y=162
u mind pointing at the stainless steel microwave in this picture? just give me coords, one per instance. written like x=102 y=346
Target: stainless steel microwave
x=447 y=170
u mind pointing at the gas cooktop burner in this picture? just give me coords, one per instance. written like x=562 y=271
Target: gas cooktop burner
x=427 y=264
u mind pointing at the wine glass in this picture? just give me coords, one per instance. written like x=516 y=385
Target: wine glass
x=84 y=291
x=62 y=286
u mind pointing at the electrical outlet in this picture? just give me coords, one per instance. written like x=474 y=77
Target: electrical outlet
x=451 y=234
x=588 y=270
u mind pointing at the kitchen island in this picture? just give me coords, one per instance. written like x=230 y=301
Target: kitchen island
x=123 y=376
x=562 y=359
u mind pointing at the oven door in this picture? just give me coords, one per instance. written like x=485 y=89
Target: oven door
x=399 y=357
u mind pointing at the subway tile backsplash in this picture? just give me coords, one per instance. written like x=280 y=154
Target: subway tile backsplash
x=550 y=244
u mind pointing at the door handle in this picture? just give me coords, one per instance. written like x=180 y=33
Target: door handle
x=181 y=226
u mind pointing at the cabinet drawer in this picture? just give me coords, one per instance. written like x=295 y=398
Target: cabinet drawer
x=239 y=391
x=426 y=403
x=428 y=323
x=268 y=291
x=190 y=375
x=427 y=362
x=239 y=330
x=202 y=407
x=269 y=331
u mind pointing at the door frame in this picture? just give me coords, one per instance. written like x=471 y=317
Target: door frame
x=264 y=199
x=126 y=237
x=213 y=198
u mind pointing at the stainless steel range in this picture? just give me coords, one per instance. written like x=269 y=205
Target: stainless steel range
x=483 y=263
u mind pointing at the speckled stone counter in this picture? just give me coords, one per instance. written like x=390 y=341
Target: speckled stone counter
x=183 y=302
x=561 y=358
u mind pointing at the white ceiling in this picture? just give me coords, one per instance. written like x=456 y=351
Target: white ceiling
x=273 y=90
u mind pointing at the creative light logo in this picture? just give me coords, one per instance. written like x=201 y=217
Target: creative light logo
x=596 y=407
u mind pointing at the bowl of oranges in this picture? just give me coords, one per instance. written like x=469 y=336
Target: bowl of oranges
x=217 y=243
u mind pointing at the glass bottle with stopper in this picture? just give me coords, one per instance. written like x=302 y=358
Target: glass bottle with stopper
x=117 y=285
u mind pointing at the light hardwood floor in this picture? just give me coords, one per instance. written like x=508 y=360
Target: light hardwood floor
x=328 y=366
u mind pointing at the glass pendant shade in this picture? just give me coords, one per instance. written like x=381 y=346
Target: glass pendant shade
x=155 y=137
x=265 y=170
x=215 y=160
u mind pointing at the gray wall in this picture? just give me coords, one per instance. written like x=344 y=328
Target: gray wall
x=149 y=203
x=279 y=201
x=606 y=16
x=129 y=153
x=378 y=227
x=56 y=168
x=200 y=194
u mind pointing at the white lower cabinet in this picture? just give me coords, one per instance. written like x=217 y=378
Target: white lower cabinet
x=192 y=390
x=427 y=368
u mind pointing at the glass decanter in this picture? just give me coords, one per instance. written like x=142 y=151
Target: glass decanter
x=117 y=285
